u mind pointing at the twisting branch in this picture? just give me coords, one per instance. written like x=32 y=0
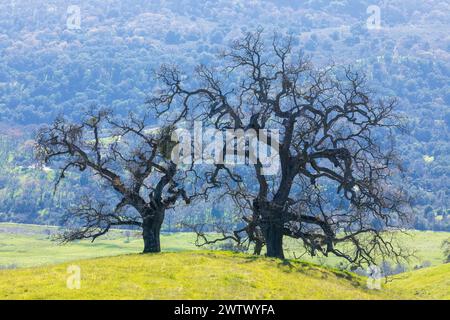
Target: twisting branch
x=131 y=158
x=334 y=136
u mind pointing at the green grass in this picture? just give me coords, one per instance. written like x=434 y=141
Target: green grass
x=425 y=244
x=184 y=275
x=212 y=275
x=37 y=269
x=31 y=245
x=427 y=283
x=24 y=245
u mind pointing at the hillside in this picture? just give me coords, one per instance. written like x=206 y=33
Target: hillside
x=48 y=69
x=186 y=275
x=429 y=283
x=210 y=275
x=25 y=245
x=256 y=150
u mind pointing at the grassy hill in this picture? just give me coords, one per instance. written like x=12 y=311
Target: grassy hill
x=428 y=283
x=211 y=275
x=184 y=275
x=24 y=245
x=37 y=269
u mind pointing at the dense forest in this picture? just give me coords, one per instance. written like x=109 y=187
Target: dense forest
x=48 y=69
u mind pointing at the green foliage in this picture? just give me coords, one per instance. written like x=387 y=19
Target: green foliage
x=446 y=247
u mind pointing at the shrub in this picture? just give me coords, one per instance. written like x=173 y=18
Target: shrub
x=446 y=247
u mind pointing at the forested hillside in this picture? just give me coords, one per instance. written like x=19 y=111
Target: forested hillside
x=48 y=69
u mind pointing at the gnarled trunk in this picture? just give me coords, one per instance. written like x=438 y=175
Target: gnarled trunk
x=272 y=228
x=151 y=230
x=273 y=233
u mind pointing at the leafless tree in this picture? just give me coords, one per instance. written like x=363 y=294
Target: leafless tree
x=131 y=159
x=338 y=167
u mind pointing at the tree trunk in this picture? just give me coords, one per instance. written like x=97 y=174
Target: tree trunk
x=272 y=228
x=258 y=247
x=273 y=232
x=151 y=233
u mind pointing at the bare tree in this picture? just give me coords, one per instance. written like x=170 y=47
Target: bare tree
x=338 y=167
x=131 y=159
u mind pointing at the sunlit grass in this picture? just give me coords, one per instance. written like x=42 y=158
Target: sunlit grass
x=427 y=283
x=425 y=246
x=31 y=245
x=185 y=275
x=212 y=275
x=182 y=273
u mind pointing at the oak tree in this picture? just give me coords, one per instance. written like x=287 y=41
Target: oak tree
x=132 y=162
x=338 y=187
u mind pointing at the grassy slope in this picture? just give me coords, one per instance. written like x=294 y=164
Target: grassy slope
x=29 y=245
x=212 y=275
x=184 y=275
x=192 y=275
x=425 y=244
x=428 y=283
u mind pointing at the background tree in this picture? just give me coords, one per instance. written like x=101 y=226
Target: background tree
x=336 y=148
x=131 y=160
x=446 y=247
